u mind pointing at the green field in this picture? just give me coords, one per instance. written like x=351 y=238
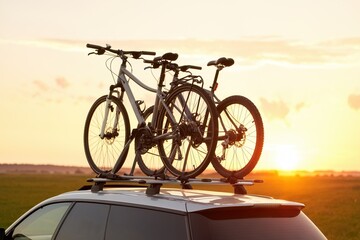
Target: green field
x=333 y=203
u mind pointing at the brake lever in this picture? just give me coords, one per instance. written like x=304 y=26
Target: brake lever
x=100 y=51
x=147 y=68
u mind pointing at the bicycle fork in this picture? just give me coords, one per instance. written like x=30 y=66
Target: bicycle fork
x=108 y=108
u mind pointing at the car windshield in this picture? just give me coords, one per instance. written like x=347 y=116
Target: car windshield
x=253 y=223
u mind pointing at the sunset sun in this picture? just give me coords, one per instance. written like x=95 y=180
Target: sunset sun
x=287 y=157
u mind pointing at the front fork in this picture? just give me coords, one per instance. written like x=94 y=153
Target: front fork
x=108 y=108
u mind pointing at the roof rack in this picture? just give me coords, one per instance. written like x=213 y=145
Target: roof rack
x=154 y=183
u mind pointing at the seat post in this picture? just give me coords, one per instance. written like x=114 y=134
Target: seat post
x=214 y=85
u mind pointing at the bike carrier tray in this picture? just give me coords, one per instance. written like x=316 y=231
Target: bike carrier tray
x=154 y=183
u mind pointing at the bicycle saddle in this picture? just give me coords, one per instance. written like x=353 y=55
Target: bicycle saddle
x=170 y=56
x=227 y=62
x=157 y=60
x=167 y=56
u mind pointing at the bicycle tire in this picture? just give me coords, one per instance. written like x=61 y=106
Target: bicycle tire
x=237 y=155
x=149 y=162
x=194 y=139
x=102 y=154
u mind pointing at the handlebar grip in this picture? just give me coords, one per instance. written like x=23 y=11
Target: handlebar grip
x=148 y=61
x=154 y=63
x=187 y=67
x=195 y=67
x=89 y=45
x=148 y=53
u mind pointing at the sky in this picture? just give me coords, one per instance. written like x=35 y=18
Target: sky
x=298 y=61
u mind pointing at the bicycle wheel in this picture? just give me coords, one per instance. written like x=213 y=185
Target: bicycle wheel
x=191 y=129
x=241 y=137
x=103 y=153
x=148 y=157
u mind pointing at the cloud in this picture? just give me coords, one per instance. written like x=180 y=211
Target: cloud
x=62 y=82
x=274 y=109
x=58 y=44
x=44 y=87
x=258 y=49
x=300 y=106
x=52 y=92
x=354 y=101
x=348 y=43
x=279 y=109
x=250 y=50
x=40 y=85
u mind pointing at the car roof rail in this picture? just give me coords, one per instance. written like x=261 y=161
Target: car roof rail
x=154 y=184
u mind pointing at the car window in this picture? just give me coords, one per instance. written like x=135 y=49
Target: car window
x=137 y=224
x=85 y=221
x=42 y=223
x=256 y=223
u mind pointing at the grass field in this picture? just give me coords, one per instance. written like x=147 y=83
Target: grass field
x=333 y=203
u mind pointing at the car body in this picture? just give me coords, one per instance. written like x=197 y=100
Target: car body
x=152 y=211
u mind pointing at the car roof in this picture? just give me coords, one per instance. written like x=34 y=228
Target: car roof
x=173 y=199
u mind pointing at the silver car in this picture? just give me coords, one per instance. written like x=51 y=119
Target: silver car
x=147 y=210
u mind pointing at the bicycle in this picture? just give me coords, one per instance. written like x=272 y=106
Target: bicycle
x=149 y=161
x=241 y=131
x=179 y=129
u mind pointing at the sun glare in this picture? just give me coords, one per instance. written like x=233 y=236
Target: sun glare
x=287 y=157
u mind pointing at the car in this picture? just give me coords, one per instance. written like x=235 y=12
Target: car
x=146 y=208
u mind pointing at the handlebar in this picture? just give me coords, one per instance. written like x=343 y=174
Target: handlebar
x=101 y=50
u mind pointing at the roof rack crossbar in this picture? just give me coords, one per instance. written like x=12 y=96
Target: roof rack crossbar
x=154 y=183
